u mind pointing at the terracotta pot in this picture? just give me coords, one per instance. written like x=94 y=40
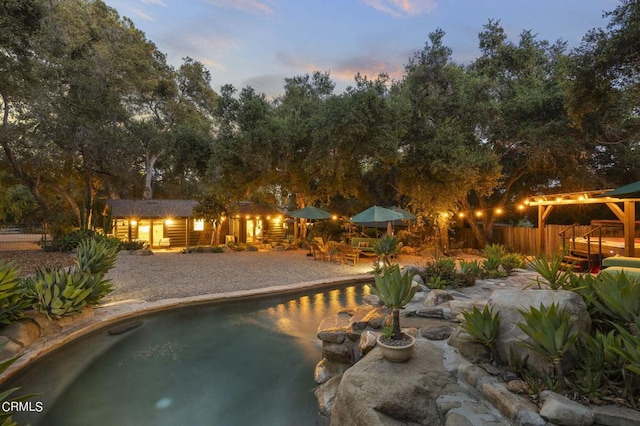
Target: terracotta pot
x=397 y=353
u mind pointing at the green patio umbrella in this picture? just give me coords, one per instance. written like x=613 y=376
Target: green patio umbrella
x=631 y=190
x=376 y=214
x=310 y=212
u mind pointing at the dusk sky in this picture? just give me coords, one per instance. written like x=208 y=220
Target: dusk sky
x=260 y=42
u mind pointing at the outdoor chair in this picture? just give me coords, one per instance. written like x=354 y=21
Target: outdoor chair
x=317 y=251
x=349 y=254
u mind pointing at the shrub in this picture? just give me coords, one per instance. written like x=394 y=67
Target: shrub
x=96 y=256
x=58 y=293
x=551 y=270
x=94 y=259
x=471 y=267
x=131 y=245
x=550 y=330
x=13 y=301
x=618 y=298
x=482 y=325
x=5 y=415
x=510 y=261
x=600 y=365
x=386 y=247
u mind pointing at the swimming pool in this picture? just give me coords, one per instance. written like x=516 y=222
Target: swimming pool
x=233 y=363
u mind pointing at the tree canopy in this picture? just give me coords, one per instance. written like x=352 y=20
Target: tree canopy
x=91 y=110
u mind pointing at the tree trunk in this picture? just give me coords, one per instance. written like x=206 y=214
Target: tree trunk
x=397 y=333
x=150 y=172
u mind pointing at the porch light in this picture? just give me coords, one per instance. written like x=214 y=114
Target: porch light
x=168 y=222
x=334 y=217
x=520 y=207
x=277 y=219
x=222 y=218
x=461 y=215
x=134 y=222
x=479 y=214
x=498 y=211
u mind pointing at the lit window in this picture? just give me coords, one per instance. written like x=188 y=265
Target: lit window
x=198 y=225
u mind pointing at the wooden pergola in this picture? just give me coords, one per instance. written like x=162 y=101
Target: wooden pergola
x=624 y=208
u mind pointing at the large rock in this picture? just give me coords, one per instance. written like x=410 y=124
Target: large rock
x=507 y=303
x=23 y=333
x=333 y=329
x=326 y=395
x=378 y=392
x=560 y=410
x=437 y=297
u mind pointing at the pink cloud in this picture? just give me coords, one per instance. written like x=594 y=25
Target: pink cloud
x=400 y=8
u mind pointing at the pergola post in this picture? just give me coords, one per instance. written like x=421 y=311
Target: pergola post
x=627 y=215
x=543 y=214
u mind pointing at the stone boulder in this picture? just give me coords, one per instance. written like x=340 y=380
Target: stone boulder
x=507 y=303
x=437 y=297
x=378 y=392
x=560 y=410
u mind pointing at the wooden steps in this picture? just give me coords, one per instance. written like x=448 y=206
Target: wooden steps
x=580 y=261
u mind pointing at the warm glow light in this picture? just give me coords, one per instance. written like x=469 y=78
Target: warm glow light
x=526 y=202
x=134 y=222
x=198 y=225
x=444 y=214
x=222 y=219
x=248 y=217
x=520 y=207
x=498 y=211
x=334 y=217
x=277 y=219
x=479 y=214
x=558 y=198
x=581 y=198
x=168 y=222
x=460 y=214
x=268 y=217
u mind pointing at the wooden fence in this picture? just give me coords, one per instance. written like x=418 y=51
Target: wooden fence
x=519 y=239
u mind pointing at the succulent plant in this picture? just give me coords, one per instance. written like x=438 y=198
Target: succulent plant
x=395 y=289
x=13 y=301
x=96 y=256
x=482 y=325
x=551 y=333
x=58 y=293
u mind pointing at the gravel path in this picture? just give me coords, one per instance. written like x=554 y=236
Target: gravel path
x=172 y=275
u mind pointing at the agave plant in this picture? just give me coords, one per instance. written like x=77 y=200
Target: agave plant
x=551 y=270
x=482 y=325
x=5 y=415
x=551 y=334
x=395 y=289
x=58 y=293
x=618 y=298
x=96 y=256
x=386 y=247
x=13 y=301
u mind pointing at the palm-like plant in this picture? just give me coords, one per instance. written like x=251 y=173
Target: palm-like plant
x=551 y=334
x=395 y=290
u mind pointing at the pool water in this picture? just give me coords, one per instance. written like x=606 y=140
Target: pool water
x=237 y=363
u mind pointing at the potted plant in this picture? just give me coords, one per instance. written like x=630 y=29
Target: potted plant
x=395 y=290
